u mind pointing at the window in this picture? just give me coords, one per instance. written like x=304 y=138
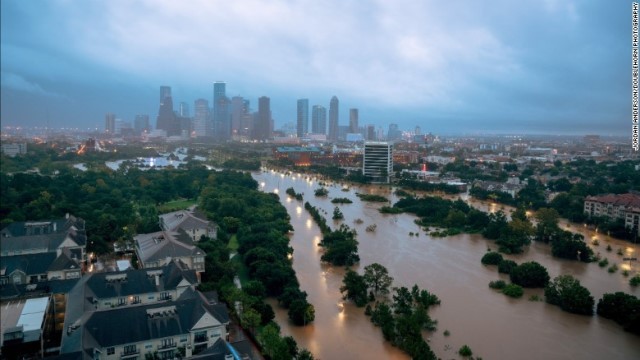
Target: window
x=43 y=277
x=111 y=350
x=165 y=295
x=122 y=301
x=135 y=299
x=200 y=336
x=129 y=349
x=198 y=348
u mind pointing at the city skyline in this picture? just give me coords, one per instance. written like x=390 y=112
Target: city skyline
x=561 y=67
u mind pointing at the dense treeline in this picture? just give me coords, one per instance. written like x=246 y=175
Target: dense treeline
x=261 y=234
x=574 y=181
x=425 y=186
x=435 y=211
x=341 y=246
x=241 y=164
x=115 y=204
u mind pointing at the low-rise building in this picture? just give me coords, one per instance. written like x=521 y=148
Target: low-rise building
x=37 y=251
x=138 y=313
x=624 y=207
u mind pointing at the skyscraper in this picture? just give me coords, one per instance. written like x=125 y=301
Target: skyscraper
x=319 y=119
x=334 y=105
x=394 y=132
x=110 y=123
x=221 y=118
x=262 y=127
x=184 y=109
x=239 y=109
x=141 y=124
x=353 y=121
x=167 y=119
x=201 y=116
x=303 y=117
x=165 y=91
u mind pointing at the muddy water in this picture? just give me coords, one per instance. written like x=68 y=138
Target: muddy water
x=493 y=325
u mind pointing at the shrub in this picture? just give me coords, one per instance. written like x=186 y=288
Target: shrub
x=530 y=274
x=498 y=284
x=465 y=351
x=604 y=262
x=635 y=281
x=505 y=266
x=513 y=290
x=566 y=292
x=491 y=258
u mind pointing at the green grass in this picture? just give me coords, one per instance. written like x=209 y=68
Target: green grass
x=233 y=243
x=176 y=205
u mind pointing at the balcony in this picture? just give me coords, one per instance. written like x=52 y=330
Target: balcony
x=129 y=354
x=164 y=347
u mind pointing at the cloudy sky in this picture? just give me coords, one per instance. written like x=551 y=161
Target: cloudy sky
x=489 y=66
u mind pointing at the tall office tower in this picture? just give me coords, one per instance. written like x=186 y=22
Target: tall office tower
x=221 y=118
x=165 y=91
x=303 y=117
x=167 y=119
x=353 y=121
x=141 y=124
x=239 y=108
x=201 y=116
x=418 y=130
x=184 y=109
x=334 y=105
x=262 y=128
x=377 y=162
x=394 y=132
x=110 y=123
x=371 y=133
x=319 y=119
x=246 y=123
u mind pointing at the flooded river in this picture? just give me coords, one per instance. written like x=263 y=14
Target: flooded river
x=493 y=325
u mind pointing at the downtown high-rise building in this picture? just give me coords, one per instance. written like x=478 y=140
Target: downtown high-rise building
x=302 y=127
x=319 y=119
x=167 y=119
x=240 y=113
x=141 y=124
x=334 y=110
x=184 y=109
x=353 y=121
x=221 y=118
x=394 y=132
x=110 y=123
x=201 y=119
x=262 y=127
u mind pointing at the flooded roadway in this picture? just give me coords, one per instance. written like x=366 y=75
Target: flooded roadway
x=493 y=325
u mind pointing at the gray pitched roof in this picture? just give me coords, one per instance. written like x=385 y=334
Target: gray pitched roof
x=108 y=328
x=49 y=236
x=183 y=219
x=161 y=245
x=63 y=262
x=138 y=281
x=30 y=264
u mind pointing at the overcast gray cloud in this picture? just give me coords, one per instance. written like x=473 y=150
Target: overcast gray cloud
x=488 y=65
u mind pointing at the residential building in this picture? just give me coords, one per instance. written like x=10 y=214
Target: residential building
x=37 y=251
x=164 y=329
x=334 y=122
x=23 y=334
x=181 y=230
x=11 y=150
x=377 y=161
x=624 y=207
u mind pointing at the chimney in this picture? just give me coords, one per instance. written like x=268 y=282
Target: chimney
x=157 y=280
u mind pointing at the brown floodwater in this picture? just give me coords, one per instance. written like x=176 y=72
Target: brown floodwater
x=493 y=325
